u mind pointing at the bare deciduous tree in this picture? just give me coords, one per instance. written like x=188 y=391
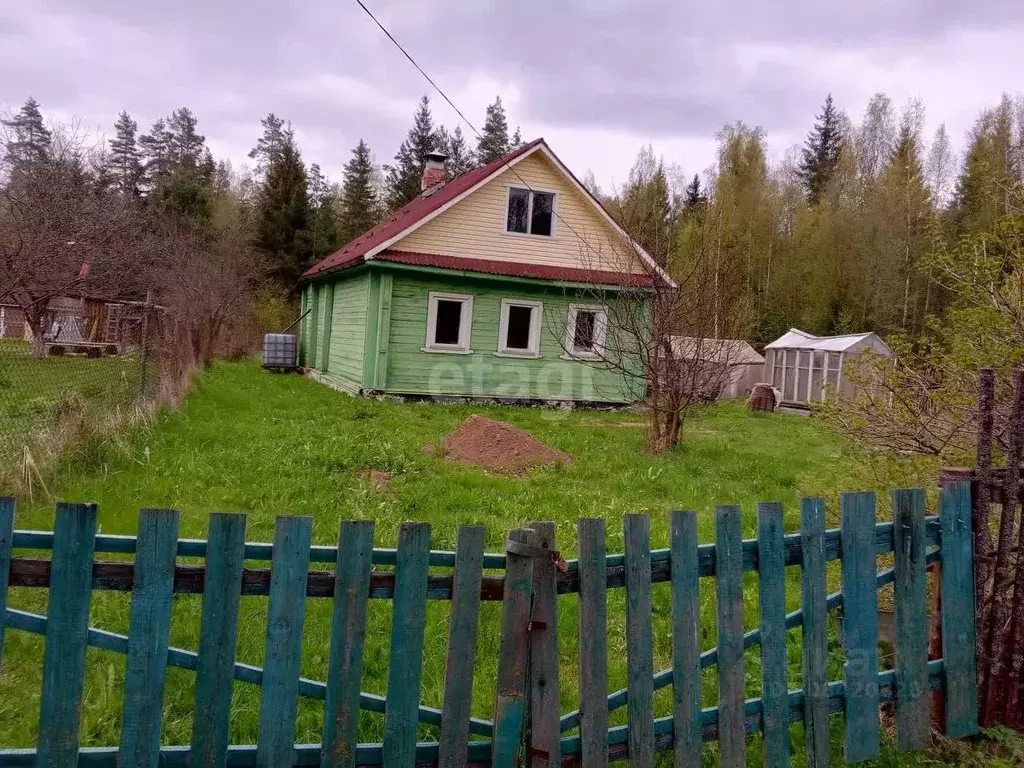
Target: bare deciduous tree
x=207 y=282
x=665 y=336
x=59 y=234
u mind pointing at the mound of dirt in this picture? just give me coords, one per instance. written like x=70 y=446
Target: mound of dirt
x=498 y=447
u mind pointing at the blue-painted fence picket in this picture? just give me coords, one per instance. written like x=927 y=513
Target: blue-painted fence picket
x=526 y=724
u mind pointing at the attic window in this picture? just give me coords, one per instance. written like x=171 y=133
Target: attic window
x=530 y=212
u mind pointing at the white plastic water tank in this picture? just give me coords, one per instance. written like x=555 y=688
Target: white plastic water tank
x=280 y=351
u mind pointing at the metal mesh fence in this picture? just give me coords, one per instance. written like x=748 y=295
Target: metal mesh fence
x=92 y=367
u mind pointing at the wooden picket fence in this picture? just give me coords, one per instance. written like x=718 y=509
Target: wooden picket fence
x=526 y=726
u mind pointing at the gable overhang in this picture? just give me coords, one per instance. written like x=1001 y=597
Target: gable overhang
x=542 y=147
x=455 y=200
x=647 y=259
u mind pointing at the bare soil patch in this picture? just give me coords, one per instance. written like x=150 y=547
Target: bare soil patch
x=497 y=447
x=378 y=479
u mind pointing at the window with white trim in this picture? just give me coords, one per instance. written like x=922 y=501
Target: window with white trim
x=519 y=328
x=530 y=212
x=449 y=319
x=585 y=330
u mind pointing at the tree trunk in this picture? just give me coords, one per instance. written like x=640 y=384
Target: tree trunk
x=676 y=434
x=999 y=617
x=36 y=320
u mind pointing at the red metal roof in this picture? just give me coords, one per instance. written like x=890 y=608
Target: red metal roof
x=517 y=268
x=352 y=253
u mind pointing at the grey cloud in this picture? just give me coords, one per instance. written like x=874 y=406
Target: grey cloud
x=653 y=69
x=671 y=68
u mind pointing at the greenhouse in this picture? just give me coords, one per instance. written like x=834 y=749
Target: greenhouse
x=800 y=364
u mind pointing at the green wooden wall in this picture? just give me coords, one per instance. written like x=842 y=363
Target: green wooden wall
x=304 y=324
x=348 y=330
x=483 y=373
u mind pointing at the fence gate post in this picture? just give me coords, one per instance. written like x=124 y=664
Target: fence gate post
x=543 y=732
x=513 y=652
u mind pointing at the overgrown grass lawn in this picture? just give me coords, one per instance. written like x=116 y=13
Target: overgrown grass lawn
x=34 y=393
x=270 y=444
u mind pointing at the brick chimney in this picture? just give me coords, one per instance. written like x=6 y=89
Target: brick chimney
x=433 y=171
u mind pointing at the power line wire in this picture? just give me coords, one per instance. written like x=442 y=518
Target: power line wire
x=418 y=67
x=506 y=164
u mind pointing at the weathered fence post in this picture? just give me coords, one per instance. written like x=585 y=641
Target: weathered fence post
x=729 y=597
x=544 y=732
x=685 y=639
x=348 y=634
x=148 y=637
x=860 y=626
x=509 y=704
x=958 y=611
x=60 y=707
x=408 y=624
x=593 y=629
x=815 y=631
x=911 y=620
x=636 y=534
x=218 y=635
x=453 y=744
x=6 y=540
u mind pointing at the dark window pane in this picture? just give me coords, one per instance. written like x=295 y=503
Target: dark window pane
x=540 y=224
x=449 y=317
x=583 y=336
x=518 y=333
x=518 y=205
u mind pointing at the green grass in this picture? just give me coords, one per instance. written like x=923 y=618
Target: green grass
x=269 y=444
x=37 y=394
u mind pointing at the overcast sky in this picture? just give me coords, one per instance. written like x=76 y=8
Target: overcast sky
x=597 y=78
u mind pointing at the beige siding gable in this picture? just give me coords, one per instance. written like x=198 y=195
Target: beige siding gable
x=474 y=227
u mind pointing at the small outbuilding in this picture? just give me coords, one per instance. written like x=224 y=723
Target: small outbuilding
x=800 y=364
x=730 y=365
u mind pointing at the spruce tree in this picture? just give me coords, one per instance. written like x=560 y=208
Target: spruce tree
x=184 y=194
x=179 y=169
x=493 y=142
x=124 y=163
x=645 y=209
x=360 y=208
x=222 y=178
x=405 y=175
x=459 y=158
x=283 y=215
x=186 y=144
x=821 y=151
x=442 y=143
x=516 y=141
x=30 y=140
x=694 y=196
x=322 y=235
x=208 y=167
x=268 y=146
x=156 y=150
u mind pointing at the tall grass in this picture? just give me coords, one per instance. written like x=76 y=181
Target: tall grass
x=266 y=444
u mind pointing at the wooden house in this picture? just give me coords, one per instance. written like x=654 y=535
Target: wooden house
x=497 y=284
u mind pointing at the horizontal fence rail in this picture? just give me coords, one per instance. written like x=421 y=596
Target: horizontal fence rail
x=528 y=579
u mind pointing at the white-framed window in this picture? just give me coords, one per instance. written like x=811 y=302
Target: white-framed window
x=449 y=320
x=585 y=331
x=530 y=212
x=519 y=328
